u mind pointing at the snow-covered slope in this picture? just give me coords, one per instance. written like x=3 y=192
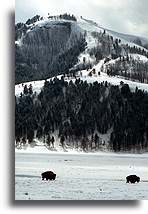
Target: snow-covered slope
x=116 y=80
x=86 y=26
x=139 y=57
x=83 y=25
x=92 y=26
x=84 y=75
x=89 y=27
x=129 y=38
x=42 y=46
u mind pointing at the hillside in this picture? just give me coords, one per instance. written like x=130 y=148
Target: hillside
x=80 y=114
x=81 y=86
x=47 y=47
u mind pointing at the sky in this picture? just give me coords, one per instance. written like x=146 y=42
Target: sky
x=125 y=16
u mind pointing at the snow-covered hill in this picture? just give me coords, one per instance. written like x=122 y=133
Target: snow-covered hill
x=47 y=47
x=91 y=26
x=95 y=37
x=85 y=26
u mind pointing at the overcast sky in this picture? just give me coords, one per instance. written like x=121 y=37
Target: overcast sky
x=126 y=16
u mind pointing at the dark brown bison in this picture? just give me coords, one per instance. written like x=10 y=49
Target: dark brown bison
x=48 y=175
x=132 y=179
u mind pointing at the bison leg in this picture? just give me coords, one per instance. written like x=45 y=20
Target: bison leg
x=127 y=181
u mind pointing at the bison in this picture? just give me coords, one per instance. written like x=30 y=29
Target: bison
x=48 y=175
x=132 y=179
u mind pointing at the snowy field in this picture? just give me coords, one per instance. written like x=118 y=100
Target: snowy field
x=98 y=176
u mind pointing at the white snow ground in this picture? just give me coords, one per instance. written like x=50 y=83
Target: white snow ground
x=80 y=176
